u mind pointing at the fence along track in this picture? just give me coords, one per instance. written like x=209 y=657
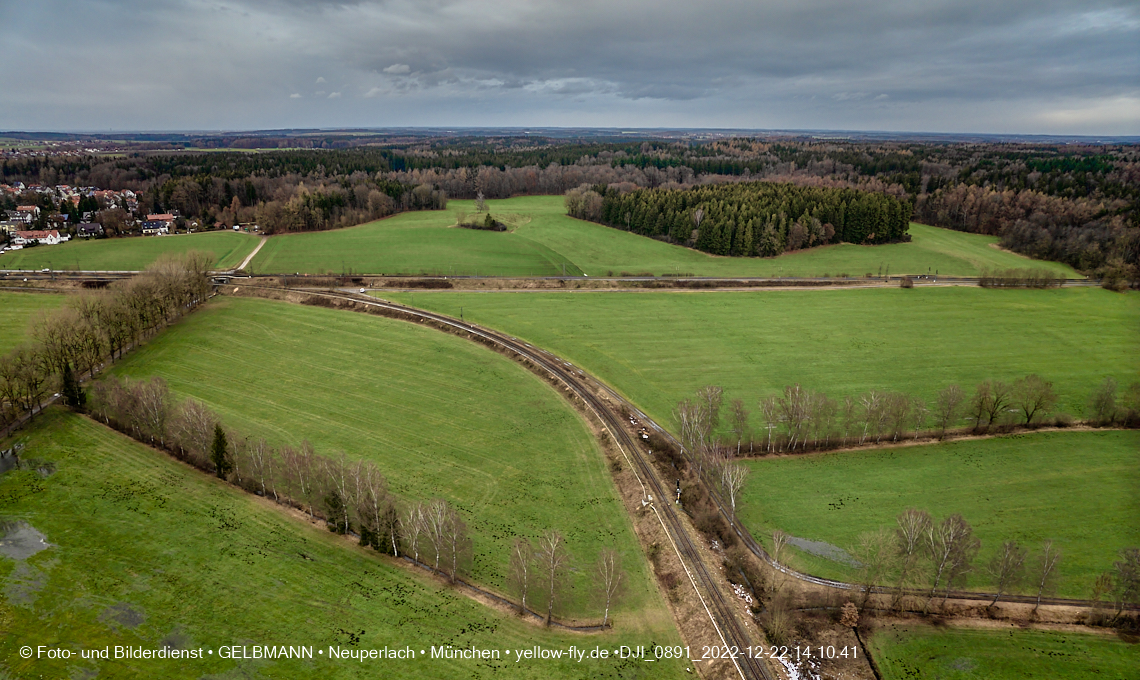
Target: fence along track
x=732 y=633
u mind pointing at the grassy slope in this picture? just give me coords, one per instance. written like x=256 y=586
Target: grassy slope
x=129 y=254
x=959 y=654
x=658 y=348
x=128 y=525
x=413 y=243
x=1080 y=489
x=443 y=417
x=543 y=238
x=17 y=311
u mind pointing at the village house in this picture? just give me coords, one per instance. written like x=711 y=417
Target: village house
x=89 y=229
x=27 y=213
x=45 y=238
x=155 y=228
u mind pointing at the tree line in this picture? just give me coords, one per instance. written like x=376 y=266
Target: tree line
x=747 y=219
x=799 y=420
x=352 y=497
x=95 y=327
x=921 y=554
x=1071 y=203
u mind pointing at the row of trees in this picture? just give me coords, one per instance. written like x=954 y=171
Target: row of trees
x=747 y=218
x=922 y=554
x=799 y=419
x=95 y=327
x=352 y=497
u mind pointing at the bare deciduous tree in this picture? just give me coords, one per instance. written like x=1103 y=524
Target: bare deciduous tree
x=738 y=416
x=946 y=408
x=1045 y=570
x=1102 y=402
x=770 y=409
x=1034 y=396
x=1007 y=568
x=877 y=553
x=415 y=526
x=611 y=579
x=732 y=478
x=951 y=546
x=991 y=398
x=520 y=570
x=553 y=559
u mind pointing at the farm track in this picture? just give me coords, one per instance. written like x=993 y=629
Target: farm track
x=720 y=609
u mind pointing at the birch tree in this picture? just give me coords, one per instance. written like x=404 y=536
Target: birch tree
x=1045 y=570
x=553 y=559
x=732 y=478
x=610 y=579
x=520 y=570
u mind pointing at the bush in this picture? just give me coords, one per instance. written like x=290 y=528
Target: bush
x=906 y=282
x=1063 y=420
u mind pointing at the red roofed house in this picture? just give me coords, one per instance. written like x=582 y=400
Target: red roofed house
x=47 y=238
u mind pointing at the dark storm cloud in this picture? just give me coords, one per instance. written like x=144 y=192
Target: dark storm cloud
x=1016 y=66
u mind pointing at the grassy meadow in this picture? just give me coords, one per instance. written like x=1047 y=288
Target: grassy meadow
x=542 y=239
x=441 y=416
x=1079 y=489
x=16 y=313
x=967 y=654
x=146 y=552
x=657 y=348
x=131 y=254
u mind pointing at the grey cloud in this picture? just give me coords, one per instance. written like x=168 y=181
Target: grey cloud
x=931 y=65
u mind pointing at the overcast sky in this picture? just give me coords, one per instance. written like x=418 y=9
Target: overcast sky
x=1008 y=66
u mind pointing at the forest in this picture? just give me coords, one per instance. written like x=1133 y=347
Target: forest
x=746 y=219
x=1074 y=203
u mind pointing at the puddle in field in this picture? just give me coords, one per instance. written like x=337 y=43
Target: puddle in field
x=824 y=550
x=25 y=582
x=122 y=614
x=20 y=540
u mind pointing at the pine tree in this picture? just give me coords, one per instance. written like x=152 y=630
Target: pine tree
x=219 y=454
x=73 y=395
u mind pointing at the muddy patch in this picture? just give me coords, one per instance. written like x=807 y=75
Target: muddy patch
x=824 y=550
x=122 y=614
x=177 y=640
x=25 y=582
x=20 y=540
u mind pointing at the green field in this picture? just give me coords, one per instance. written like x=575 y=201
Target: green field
x=658 y=348
x=146 y=552
x=16 y=313
x=1079 y=489
x=441 y=416
x=131 y=254
x=964 y=654
x=543 y=239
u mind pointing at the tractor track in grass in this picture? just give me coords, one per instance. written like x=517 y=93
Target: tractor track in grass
x=720 y=609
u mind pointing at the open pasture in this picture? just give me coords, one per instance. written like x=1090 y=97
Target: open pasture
x=1006 y=654
x=658 y=348
x=146 y=552
x=131 y=254
x=441 y=416
x=1079 y=489
x=542 y=240
x=16 y=313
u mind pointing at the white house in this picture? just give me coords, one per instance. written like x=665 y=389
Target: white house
x=45 y=238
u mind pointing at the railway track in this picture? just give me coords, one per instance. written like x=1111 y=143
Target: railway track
x=720 y=609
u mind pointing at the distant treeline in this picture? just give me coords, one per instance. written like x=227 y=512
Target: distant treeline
x=753 y=218
x=1078 y=204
